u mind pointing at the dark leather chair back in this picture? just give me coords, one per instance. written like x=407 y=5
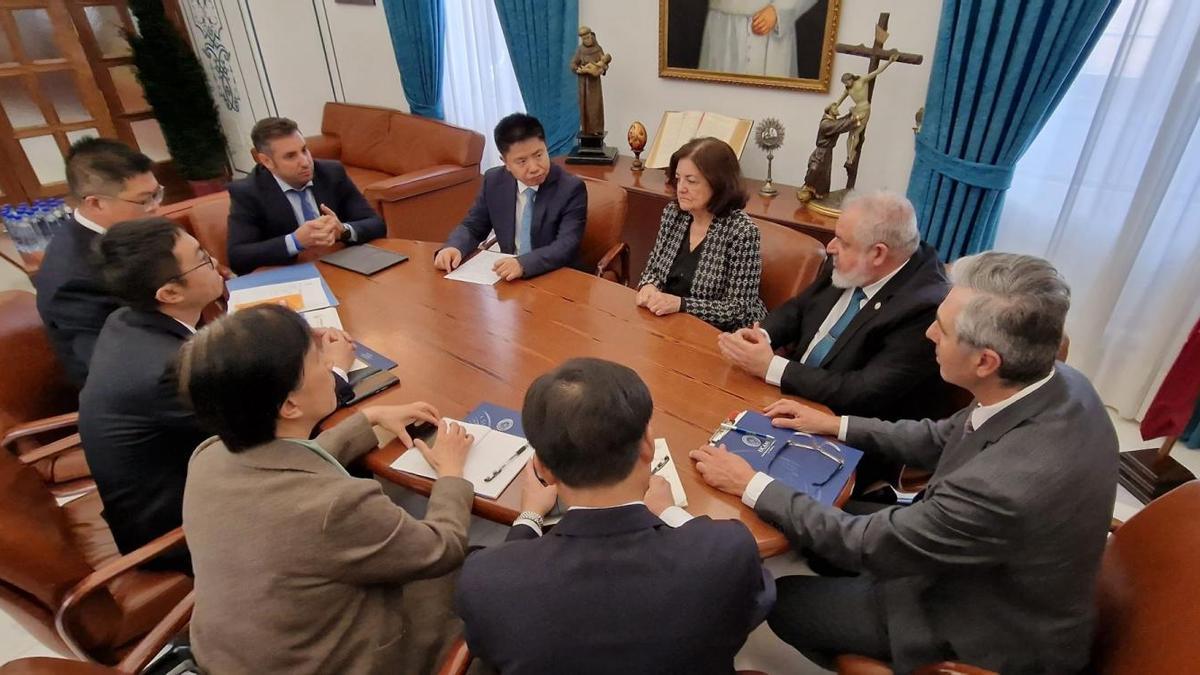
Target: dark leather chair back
x=790 y=262
x=607 y=206
x=32 y=384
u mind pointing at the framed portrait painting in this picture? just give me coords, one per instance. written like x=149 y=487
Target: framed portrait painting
x=766 y=43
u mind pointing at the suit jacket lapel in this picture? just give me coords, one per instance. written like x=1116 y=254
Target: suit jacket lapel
x=276 y=204
x=874 y=307
x=505 y=222
x=323 y=191
x=822 y=302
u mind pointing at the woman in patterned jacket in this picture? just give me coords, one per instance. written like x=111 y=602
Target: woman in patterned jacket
x=706 y=260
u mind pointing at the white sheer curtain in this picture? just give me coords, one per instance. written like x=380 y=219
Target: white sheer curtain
x=1110 y=192
x=478 y=83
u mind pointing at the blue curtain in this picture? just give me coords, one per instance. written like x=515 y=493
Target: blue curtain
x=999 y=70
x=1191 y=434
x=418 y=34
x=542 y=36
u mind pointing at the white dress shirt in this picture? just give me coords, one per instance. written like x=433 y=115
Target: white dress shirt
x=779 y=364
x=89 y=224
x=979 y=416
x=673 y=516
x=521 y=187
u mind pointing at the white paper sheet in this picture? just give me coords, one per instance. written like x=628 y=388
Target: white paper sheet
x=310 y=292
x=478 y=269
x=491 y=451
x=669 y=471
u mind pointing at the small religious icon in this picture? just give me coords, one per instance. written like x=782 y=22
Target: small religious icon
x=590 y=63
x=637 y=143
x=820 y=162
x=769 y=138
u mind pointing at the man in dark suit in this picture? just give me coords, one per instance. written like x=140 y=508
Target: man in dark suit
x=996 y=567
x=626 y=582
x=855 y=338
x=110 y=183
x=291 y=202
x=137 y=432
x=537 y=210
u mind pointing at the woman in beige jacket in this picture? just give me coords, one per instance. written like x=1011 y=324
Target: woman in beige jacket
x=300 y=568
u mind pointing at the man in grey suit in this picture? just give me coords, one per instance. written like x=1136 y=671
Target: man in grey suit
x=997 y=565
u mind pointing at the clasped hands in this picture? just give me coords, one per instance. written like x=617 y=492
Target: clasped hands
x=324 y=230
x=656 y=301
x=747 y=348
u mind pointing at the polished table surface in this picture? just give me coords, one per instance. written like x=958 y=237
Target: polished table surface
x=460 y=344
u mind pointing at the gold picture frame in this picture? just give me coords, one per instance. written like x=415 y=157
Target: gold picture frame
x=814 y=65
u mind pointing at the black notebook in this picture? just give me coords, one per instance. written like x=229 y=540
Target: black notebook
x=364 y=259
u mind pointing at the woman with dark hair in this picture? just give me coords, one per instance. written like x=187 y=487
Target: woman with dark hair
x=706 y=260
x=301 y=568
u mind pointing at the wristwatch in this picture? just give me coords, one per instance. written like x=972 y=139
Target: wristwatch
x=532 y=516
x=346 y=234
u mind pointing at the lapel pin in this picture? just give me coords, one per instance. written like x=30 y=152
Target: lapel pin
x=878 y=305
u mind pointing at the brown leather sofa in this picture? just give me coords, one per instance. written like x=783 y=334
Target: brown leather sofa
x=421 y=175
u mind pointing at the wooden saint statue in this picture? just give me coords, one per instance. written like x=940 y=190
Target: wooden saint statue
x=820 y=162
x=589 y=64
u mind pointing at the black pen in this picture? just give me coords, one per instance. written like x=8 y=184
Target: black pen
x=508 y=461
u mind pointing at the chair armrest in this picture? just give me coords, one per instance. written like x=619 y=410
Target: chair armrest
x=419 y=182
x=458 y=659
x=149 y=646
x=620 y=249
x=61 y=446
x=67 y=421
x=850 y=664
x=325 y=146
x=101 y=578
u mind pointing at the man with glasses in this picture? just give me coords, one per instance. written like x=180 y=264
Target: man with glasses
x=996 y=567
x=110 y=183
x=137 y=432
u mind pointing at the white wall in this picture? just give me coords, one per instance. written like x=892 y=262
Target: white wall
x=287 y=58
x=628 y=29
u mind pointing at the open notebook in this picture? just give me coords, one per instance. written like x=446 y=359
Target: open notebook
x=494 y=460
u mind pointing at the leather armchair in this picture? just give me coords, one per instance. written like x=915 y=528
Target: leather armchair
x=458 y=660
x=790 y=262
x=603 y=252
x=421 y=175
x=37 y=403
x=1148 y=596
x=62 y=578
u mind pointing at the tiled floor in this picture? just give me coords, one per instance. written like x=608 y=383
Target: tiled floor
x=763 y=651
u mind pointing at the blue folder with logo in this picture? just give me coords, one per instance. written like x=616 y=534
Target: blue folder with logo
x=817 y=466
x=498 y=418
x=282 y=275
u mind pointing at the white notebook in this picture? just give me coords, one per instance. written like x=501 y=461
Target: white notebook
x=494 y=460
x=668 y=471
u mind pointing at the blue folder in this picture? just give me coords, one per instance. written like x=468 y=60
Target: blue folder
x=498 y=418
x=797 y=464
x=372 y=358
x=281 y=275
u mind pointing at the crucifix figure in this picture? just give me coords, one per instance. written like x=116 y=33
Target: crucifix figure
x=860 y=88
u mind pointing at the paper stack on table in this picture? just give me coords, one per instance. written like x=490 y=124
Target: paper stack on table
x=478 y=268
x=494 y=460
x=299 y=287
x=668 y=471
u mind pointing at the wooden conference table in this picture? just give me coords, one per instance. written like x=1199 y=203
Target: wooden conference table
x=460 y=344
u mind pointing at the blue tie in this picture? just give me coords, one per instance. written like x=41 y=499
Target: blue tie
x=525 y=229
x=822 y=348
x=306 y=208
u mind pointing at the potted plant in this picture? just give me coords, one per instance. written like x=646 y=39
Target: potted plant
x=176 y=88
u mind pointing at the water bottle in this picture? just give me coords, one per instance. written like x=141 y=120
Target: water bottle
x=37 y=227
x=18 y=228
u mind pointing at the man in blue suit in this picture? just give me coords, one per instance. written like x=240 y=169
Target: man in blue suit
x=626 y=582
x=291 y=202
x=537 y=210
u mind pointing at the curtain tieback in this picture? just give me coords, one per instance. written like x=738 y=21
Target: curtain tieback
x=986 y=176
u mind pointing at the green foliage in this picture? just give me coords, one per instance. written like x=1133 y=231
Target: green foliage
x=176 y=88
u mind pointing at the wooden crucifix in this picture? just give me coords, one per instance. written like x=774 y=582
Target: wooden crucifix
x=861 y=95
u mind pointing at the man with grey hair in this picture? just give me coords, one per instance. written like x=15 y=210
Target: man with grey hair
x=854 y=339
x=997 y=565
